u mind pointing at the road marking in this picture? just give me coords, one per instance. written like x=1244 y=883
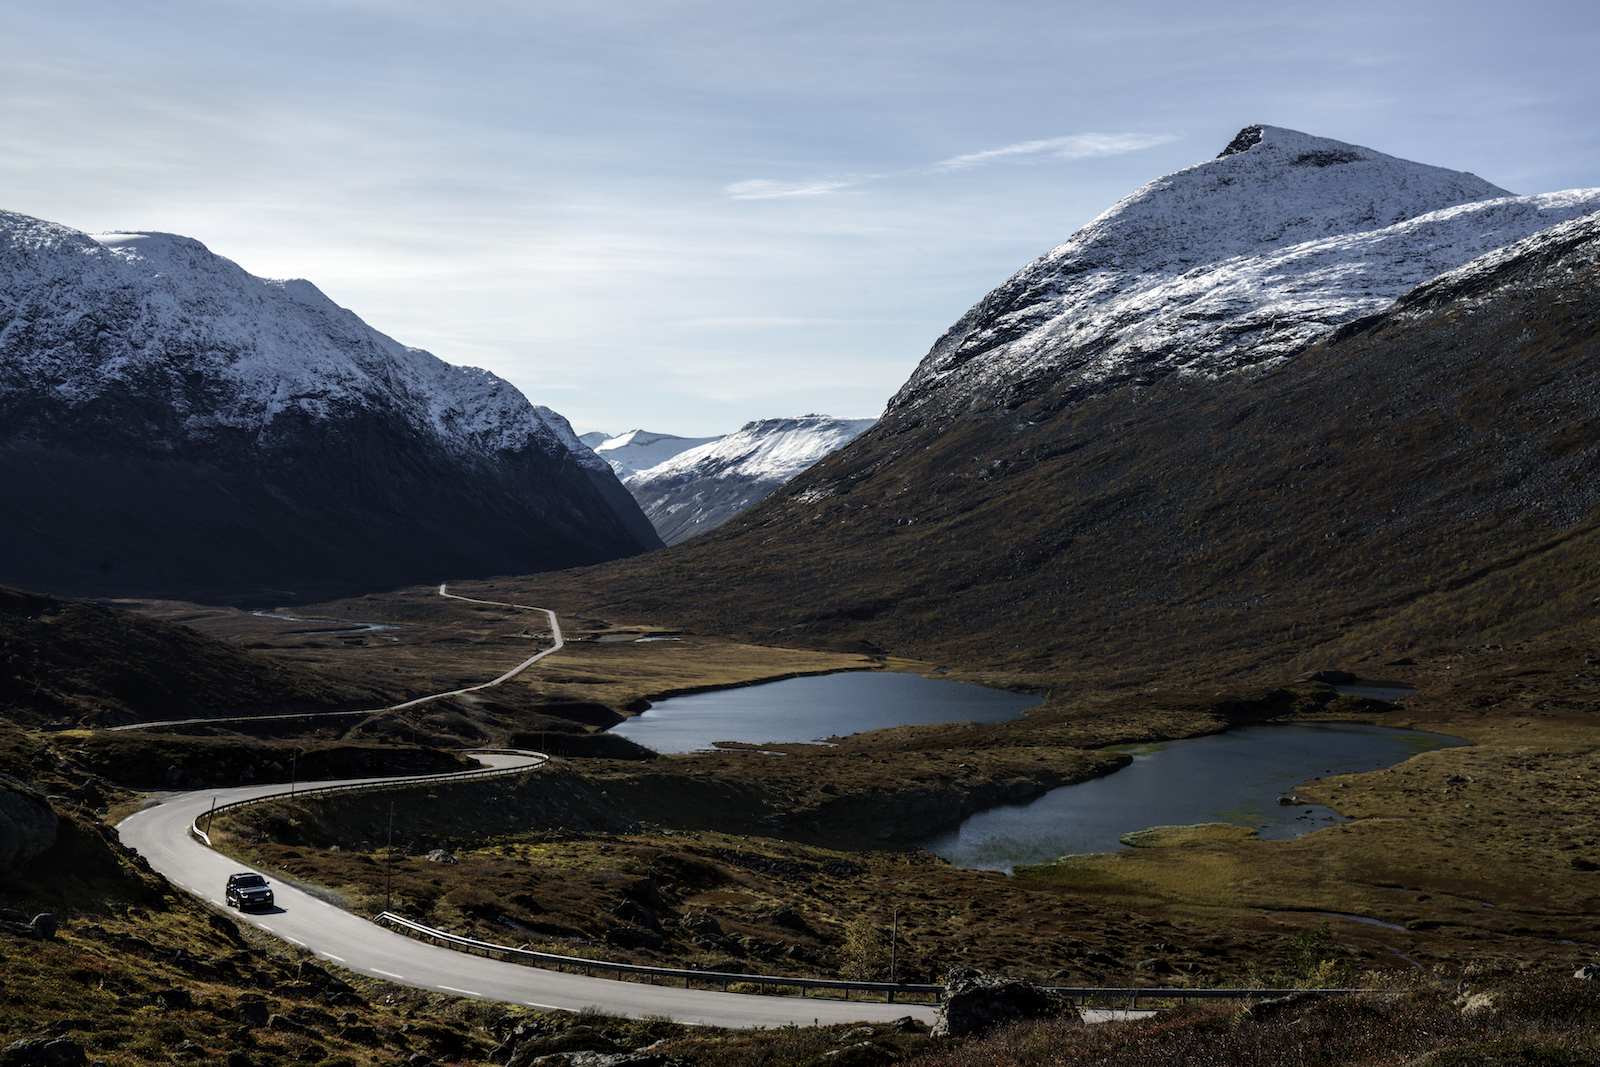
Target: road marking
x=335 y=959
x=389 y=974
x=296 y=941
x=466 y=992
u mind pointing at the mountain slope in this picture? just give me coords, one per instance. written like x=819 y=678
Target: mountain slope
x=1418 y=475
x=171 y=425
x=74 y=662
x=700 y=488
x=1230 y=265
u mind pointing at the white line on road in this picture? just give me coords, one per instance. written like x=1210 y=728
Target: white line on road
x=331 y=956
x=463 y=992
x=389 y=974
x=302 y=944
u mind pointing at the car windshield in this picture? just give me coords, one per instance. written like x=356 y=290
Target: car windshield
x=249 y=881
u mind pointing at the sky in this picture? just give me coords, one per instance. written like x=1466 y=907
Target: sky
x=681 y=215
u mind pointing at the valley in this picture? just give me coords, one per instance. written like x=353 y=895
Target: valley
x=1304 y=413
x=1414 y=858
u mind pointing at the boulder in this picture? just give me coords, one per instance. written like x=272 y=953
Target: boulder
x=974 y=1002
x=27 y=824
x=607 y=1059
x=860 y=1054
x=1274 y=1007
x=42 y=927
x=571 y=1040
x=439 y=855
x=253 y=1013
x=171 y=999
x=785 y=918
x=226 y=927
x=637 y=914
x=43 y=1052
x=1589 y=972
x=632 y=937
x=704 y=925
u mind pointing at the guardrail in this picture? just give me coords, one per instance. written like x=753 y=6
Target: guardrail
x=588 y=966
x=1076 y=994
x=1081 y=994
x=392 y=783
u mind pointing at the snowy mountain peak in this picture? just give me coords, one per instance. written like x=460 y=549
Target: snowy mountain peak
x=1234 y=263
x=243 y=433
x=638 y=450
x=251 y=350
x=702 y=487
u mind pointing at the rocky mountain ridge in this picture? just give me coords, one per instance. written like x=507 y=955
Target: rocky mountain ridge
x=173 y=425
x=1229 y=266
x=639 y=450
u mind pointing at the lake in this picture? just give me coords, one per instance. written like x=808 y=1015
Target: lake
x=816 y=708
x=1235 y=777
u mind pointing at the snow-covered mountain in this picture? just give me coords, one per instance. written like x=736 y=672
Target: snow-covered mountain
x=172 y=423
x=1210 y=435
x=639 y=450
x=1236 y=263
x=703 y=487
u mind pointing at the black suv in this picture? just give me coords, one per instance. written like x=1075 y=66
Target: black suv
x=248 y=891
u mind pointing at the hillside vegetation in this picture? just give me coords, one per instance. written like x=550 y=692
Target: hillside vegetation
x=1423 y=480
x=72 y=661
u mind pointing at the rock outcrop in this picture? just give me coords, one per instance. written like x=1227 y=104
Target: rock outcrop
x=974 y=1002
x=27 y=824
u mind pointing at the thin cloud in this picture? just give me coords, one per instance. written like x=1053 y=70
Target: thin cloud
x=761 y=189
x=1077 y=146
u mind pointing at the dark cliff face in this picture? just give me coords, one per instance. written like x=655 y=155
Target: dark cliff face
x=325 y=507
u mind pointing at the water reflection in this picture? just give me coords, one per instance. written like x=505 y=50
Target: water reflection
x=1235 y=777
x=816 y=708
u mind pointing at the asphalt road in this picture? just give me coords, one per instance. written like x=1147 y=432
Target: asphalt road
x=161 y=834
x=558 y=643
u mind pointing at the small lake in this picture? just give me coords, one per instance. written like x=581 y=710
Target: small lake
x=1235 y=777
x=816 y=708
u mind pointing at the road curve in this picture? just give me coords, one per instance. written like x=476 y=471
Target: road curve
x=555 y=632
x=557 y=646
x=161 y=834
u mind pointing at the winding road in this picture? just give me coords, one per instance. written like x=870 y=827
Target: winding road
x=161 y=834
